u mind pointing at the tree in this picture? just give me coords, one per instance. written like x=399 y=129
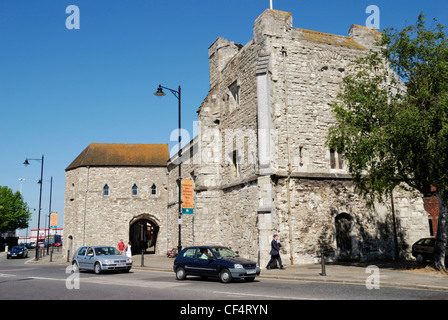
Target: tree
x=392 y=119
x=14 y=213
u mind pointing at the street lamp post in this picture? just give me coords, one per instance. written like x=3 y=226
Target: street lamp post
x=49 y=217
x=40 y=200
x=177 y=94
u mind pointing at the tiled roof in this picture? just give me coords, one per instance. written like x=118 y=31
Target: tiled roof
x=119 y=154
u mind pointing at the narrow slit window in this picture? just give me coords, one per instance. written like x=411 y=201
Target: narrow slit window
x=235 y=165
x=134 y=190
x=154 y=190
x=332 y=159
x=106 y=190
x=336 y=161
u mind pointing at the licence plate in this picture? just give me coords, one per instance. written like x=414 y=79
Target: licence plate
x=251 y=271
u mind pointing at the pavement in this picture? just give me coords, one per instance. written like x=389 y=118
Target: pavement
x=375 y=274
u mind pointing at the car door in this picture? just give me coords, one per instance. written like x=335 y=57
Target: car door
x=79 y=257
x=89 y=259
x=204 y=263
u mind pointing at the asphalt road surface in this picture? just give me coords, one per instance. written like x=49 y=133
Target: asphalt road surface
x=19 y=281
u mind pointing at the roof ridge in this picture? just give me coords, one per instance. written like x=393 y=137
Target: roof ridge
x=122 y=154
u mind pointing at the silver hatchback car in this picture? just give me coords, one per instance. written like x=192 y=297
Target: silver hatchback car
x=99 y=259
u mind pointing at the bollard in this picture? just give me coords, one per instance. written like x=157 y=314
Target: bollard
x=143 y=259
x=322 y=262
x=68 y=255
x=51 y=256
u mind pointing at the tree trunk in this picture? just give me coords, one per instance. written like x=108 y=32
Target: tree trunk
x=439 y=252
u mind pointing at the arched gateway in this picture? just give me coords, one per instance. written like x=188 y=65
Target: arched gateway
x=143 y=231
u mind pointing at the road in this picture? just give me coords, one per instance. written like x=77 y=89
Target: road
x=19 y=280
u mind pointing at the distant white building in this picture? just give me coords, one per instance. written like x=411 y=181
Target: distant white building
x=43 y=233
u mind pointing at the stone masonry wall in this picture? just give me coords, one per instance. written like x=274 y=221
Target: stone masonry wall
x=95 y=219
x=286 y=81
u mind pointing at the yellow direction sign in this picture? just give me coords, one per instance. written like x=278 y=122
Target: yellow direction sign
x=187 y=196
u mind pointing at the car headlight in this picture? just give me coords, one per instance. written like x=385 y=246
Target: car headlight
x=238 y=266
x=109 y=261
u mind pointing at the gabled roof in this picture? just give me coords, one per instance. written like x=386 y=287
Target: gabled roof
x=122 y=155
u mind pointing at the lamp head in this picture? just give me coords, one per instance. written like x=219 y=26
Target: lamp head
x=159 y=92
x=26 y=162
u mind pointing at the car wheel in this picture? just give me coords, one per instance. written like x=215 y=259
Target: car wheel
x=97 y=268
x=180 y=273
x=420 y=258
x=225 y=276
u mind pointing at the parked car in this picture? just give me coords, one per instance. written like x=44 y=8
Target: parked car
x=423 y=250
x=99 y=259
x=17 y=251
x=214 y=261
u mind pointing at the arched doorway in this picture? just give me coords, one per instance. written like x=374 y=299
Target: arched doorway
x=343 y=224
x=143 y=235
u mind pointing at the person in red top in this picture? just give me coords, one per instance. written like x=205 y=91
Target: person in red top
x=121 y=246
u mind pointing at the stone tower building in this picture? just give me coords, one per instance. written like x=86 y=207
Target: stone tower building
x=260 y=164
x=117 y=191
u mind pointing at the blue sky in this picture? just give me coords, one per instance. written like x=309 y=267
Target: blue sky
x=62 y=89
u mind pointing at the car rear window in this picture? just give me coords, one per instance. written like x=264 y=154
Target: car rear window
x=189 y=253
x=429 y=242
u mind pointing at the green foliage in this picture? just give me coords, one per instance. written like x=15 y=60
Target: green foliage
x=392 y=114
x=14 y=212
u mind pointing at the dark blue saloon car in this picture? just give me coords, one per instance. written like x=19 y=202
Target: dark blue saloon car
x=214 y=261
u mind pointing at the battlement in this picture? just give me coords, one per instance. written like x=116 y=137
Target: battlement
x=328 y=38
x=365 y=36
x=219 y=53
x=272 y=23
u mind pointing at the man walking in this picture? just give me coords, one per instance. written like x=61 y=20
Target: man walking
x=275 y=253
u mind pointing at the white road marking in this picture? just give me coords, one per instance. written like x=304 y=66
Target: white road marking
x=5 y=275
x=262 y=295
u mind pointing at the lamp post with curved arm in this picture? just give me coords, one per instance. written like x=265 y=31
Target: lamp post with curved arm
x=26 y=163
x=177 y=94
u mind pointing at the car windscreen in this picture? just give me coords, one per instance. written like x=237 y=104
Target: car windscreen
x=222 y=252
x=17 y=248
x=106 y=251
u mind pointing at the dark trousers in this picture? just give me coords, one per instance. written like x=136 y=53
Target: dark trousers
x=273 y=257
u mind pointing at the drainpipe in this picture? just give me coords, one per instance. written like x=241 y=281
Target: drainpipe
x=167 y=206
x=288 y=180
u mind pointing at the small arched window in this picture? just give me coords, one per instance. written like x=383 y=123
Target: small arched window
x=106 y=190
x=134 y=190
x=154 y=190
